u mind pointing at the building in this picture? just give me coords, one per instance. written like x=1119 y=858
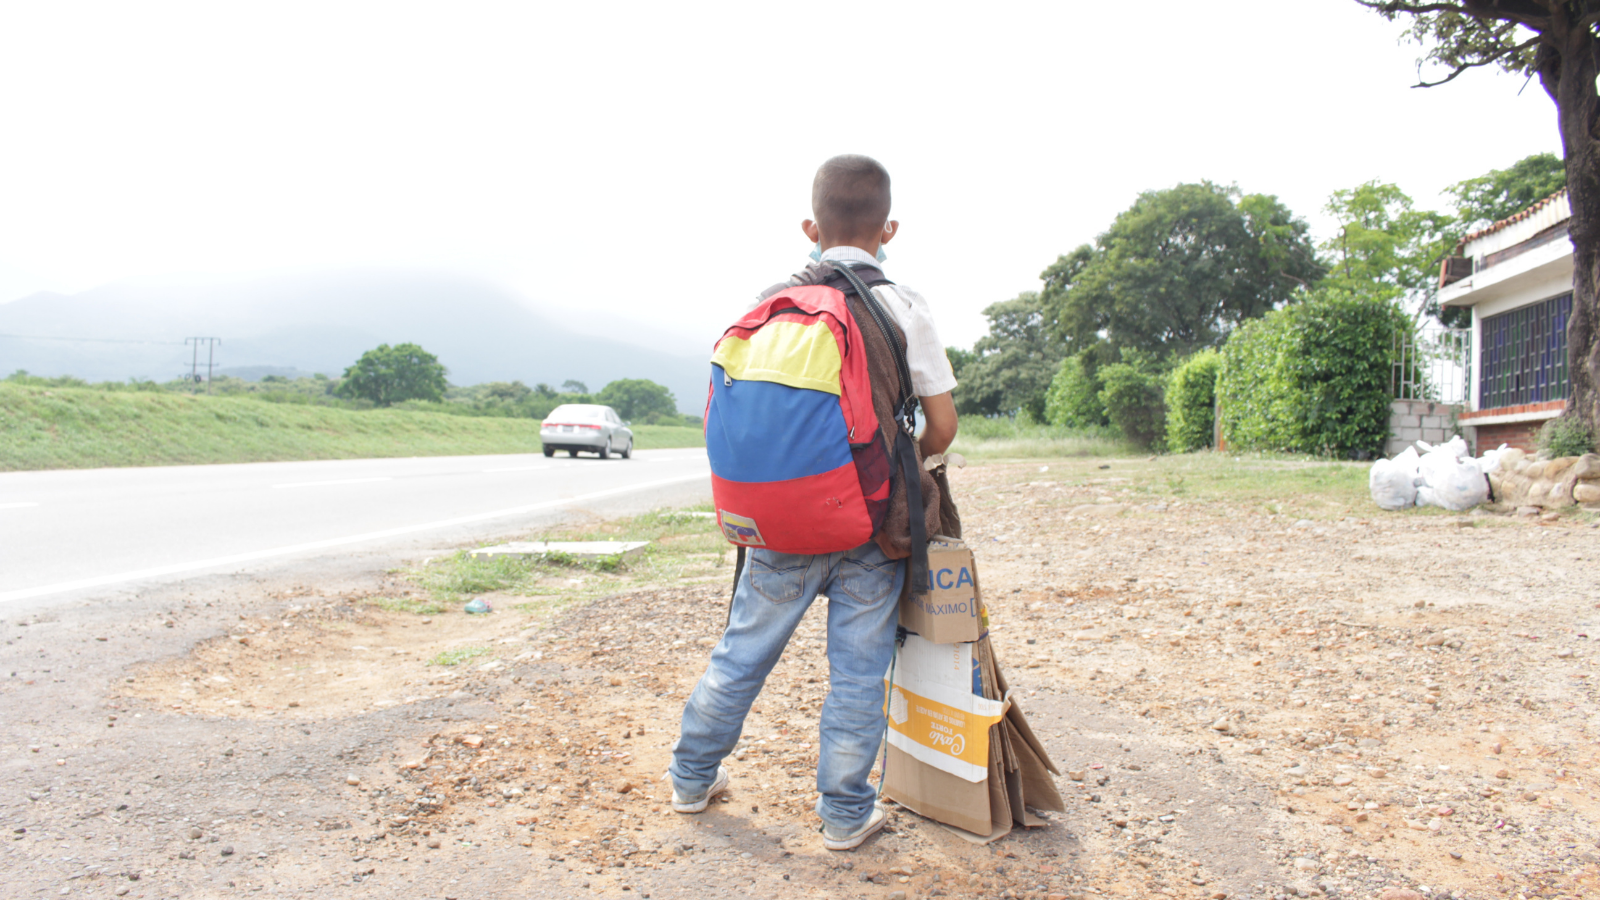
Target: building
x=1516 y=277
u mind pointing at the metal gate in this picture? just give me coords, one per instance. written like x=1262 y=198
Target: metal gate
x=1432 y=362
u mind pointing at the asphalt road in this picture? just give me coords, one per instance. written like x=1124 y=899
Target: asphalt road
x=73 y=531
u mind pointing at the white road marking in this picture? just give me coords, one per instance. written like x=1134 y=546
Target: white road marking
x=523 y=468
x=301 y=484
x=16 y=505
x=254 y=555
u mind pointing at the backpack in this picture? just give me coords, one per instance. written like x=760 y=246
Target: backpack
x=798 y=461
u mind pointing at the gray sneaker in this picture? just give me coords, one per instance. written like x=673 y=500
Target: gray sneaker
x=686 y=805
x=834 y=839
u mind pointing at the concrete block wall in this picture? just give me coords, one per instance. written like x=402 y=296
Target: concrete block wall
x=1420 y=420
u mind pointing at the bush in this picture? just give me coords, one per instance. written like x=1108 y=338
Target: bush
x=1565 y=436
x=1132 y=401
x=1313 y=377
x=1192 y=402
x=1073 y=399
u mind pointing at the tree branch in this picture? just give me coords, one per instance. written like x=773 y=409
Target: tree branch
x=1389 y=6
x=1466 y=8
x=1487 y=60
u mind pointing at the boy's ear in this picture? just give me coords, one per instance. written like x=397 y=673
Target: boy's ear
x=813 y=233
x=890 y=229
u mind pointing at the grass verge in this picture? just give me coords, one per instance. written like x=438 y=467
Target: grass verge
x=76 y=428
x=458 y=656
x=407 y=605
x=1270 y=484
x=683 y=547
x=984 y=439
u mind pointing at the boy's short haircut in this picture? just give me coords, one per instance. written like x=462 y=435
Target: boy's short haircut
x=850 y=198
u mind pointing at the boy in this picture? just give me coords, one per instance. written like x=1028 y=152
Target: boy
x=850 y=202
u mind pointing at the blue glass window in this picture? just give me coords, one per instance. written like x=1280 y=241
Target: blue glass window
x=1524 y=357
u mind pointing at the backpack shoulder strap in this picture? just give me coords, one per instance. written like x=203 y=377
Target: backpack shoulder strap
x=906 y=414
x=905 y=451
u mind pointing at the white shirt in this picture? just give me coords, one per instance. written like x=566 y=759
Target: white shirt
x=930 y=368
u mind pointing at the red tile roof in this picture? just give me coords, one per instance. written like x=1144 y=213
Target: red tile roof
x=1510 y=220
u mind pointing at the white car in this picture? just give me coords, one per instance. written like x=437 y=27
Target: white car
x=588 y=427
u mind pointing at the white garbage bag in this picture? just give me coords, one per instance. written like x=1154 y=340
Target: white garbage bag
x=1390 y=483
x=1490 y=460
x=1408 y=460
x=1451 y=482
x=1456 y=446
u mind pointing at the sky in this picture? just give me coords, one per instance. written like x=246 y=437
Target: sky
x=647 y=165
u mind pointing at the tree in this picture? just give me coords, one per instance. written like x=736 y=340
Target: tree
x=638 y=398
x=1010 y=368
x=1179 y=270
x=959 y=359
x=387 y=375
x=574 y=386
x=1555 y=40
x=507 y=392
x=1500 y=193
x=1386 y=248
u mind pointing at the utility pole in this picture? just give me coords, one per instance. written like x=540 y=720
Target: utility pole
x=211 y=358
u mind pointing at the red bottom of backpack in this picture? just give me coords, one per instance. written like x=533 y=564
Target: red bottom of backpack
x=818 y=514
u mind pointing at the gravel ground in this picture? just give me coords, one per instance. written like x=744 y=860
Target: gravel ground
x=1245 y=704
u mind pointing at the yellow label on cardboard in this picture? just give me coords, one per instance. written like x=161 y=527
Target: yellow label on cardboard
x=943 y=736
x=934 y=716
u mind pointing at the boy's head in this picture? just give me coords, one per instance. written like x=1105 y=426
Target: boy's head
x=850 y=200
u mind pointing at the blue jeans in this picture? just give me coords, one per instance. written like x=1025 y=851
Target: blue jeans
x=773 y=594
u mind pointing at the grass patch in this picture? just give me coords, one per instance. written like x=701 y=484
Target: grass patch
x=1001 y=438
x=1268 y=484
x=458 y=656
x=73 y=427
x=682 y=547
x=460 y=576
x=407 y=605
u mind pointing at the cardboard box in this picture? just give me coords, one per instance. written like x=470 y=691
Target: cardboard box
x=948 y=609
x=930 y=773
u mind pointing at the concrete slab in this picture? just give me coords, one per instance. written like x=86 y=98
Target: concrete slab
x=575 y=549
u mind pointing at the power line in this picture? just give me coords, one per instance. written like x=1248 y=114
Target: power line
x=211 y=358
x=41 y=337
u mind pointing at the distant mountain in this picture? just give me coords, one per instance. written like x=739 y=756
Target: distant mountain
x=322 y=322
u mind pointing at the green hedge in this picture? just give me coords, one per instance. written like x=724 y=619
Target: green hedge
x=1073 y=400
x=1132 y=400
x=1191 y=402
x=1312 y=377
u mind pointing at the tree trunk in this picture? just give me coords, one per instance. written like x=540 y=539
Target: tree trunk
x=1568 y=76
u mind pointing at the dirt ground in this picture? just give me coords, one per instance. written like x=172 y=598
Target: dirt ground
x=1245 y=702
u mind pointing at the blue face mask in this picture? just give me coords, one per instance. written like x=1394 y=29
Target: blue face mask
x=816 y=252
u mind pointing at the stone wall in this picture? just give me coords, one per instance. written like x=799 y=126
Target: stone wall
x=1528 y=481
x=1419 y=420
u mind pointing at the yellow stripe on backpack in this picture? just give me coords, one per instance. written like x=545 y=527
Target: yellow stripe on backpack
x=787 y=353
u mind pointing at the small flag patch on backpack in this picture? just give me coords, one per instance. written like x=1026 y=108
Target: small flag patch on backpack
x=740 y=530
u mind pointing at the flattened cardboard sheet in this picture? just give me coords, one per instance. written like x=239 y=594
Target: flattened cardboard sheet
x=1016 y=774
x=938 y=795
x=933 y=714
